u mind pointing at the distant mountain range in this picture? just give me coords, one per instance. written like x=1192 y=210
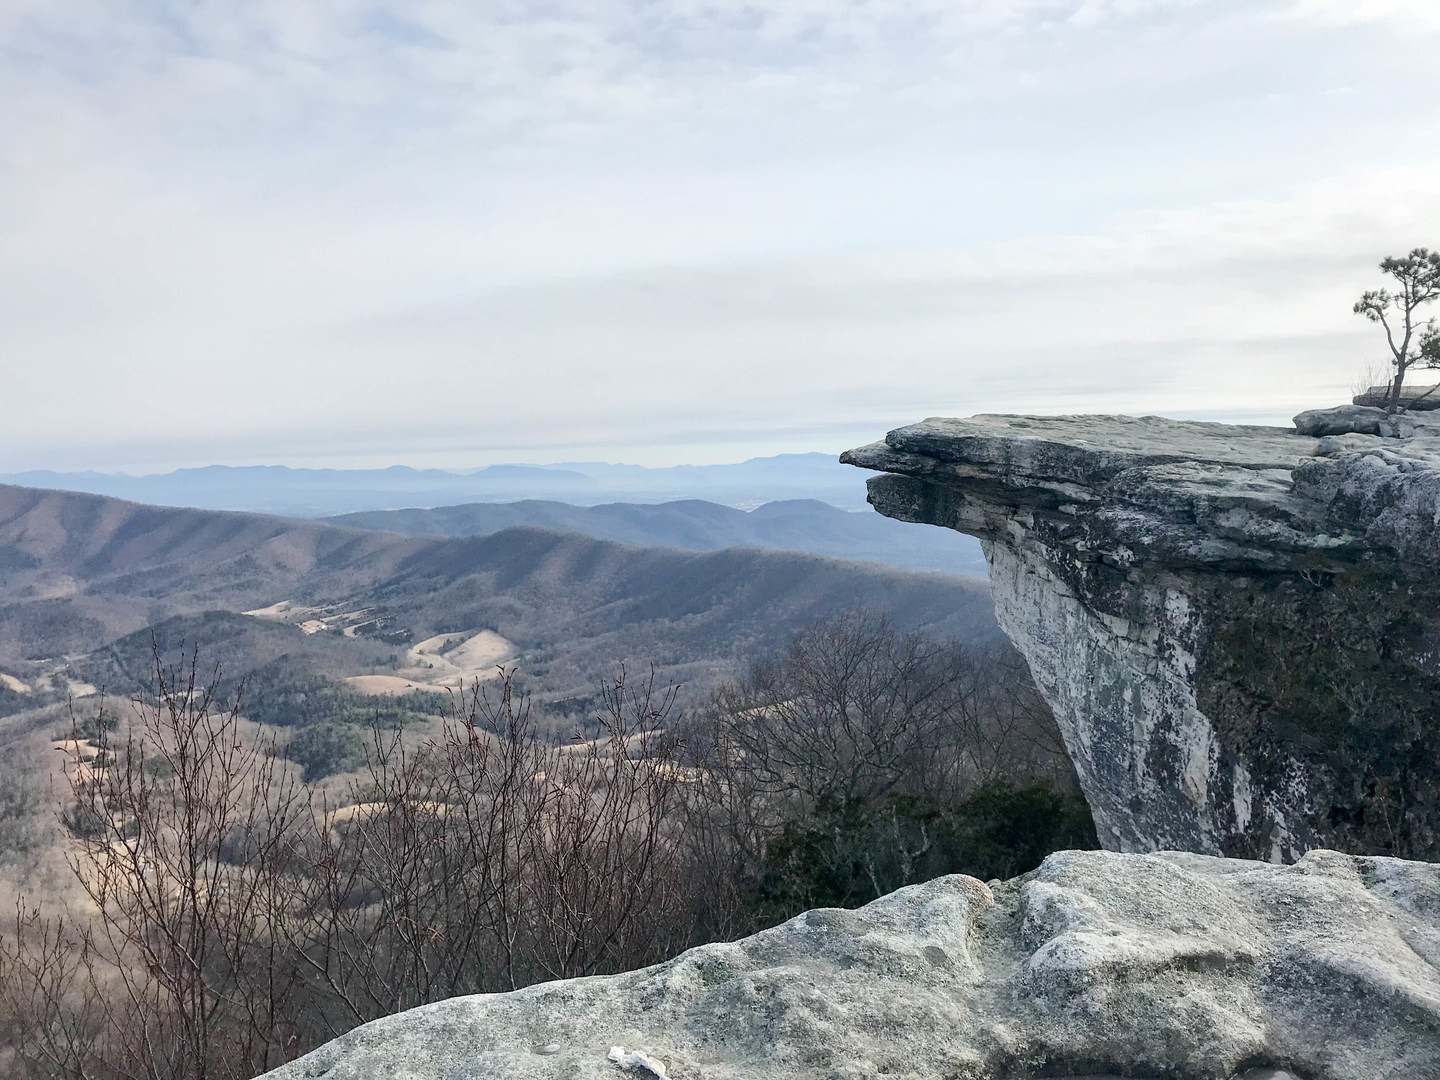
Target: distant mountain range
x=79 y=571
x=277 y=489
x=695 y=525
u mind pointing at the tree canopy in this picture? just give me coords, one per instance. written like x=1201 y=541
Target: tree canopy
x=1412 y=343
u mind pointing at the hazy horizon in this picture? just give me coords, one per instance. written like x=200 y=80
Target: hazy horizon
x=451 y=235
x=662 y=457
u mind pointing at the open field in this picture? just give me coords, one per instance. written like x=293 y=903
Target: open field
x=441 y=662
x=385 y=685
x=455 y=660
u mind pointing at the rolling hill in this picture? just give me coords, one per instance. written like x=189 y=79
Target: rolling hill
x=78 y=572
x=794 y=525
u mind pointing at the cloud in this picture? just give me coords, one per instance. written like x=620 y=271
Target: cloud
x=1239 y=306
x=501 y=66
x=263 y=229
x=1414 y=14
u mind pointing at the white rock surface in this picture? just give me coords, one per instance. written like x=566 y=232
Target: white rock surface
x=1170 y=965
x=1140 y=564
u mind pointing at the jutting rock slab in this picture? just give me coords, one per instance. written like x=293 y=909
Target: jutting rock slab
x=1416 y=398
x=1180 y=966
x=1238 y=628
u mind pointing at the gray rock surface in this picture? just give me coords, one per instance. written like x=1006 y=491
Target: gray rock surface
x=1341 y=420
x=1170 y=965
x=1364 y=420
x=1238 y=627
x=1420 y=398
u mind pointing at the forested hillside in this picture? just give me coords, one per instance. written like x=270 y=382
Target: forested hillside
x=282 y=746
x=78 y=571
x=795 y=525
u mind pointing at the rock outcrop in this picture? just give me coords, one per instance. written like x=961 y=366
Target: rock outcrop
x=1343 y=420
x=1421 y=398
x=1180 y=966
x=1238 y=628
x=1367 y=420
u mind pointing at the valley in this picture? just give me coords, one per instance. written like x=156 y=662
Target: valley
x=559 y=753
x=89 y=582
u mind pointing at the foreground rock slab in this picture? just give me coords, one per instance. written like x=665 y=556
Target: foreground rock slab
x=1238 y=628
x=1180 y=966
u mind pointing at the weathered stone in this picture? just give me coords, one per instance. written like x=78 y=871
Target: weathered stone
x=1341 y=420
x=1177 y=966
x=1238 y=627
x=1359 y=419
x=1420 y=398
x=1411 y=425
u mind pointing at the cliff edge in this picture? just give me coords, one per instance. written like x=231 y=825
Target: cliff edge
x=1238 y=628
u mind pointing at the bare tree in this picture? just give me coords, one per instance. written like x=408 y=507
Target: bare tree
x=1411 y=342
x=182 y=831
x=855 y=707
x=489 y=858
x=54 y=991
x=237 y=919
x=195 y=825
x=841 y=751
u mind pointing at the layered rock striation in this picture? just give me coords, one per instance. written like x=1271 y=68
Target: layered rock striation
x=1238 y=627
x=1180 y=966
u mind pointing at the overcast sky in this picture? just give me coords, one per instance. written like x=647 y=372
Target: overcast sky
x=454 y=232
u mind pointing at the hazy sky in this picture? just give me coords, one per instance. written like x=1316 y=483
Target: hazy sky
x=453 y=232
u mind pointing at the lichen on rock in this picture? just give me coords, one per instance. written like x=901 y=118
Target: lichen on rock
x=1172 y=965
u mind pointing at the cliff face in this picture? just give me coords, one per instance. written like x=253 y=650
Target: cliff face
x=1238 y=627
x=1172 y=965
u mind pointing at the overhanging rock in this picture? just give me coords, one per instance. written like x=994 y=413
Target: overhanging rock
x=1238 y=627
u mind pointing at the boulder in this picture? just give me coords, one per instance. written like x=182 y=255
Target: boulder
x=1341 y=420
x=1138 y=966
x=1237 y=627
x=1363 y=420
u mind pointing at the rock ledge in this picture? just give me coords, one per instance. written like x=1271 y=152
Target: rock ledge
x=1170 y=965
x=1238 y=627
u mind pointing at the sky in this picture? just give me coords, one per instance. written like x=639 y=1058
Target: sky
x=449 y=233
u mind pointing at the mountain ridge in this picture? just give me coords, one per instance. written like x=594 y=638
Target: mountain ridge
x=308 y=492
x=806 y=525
x=79 y=570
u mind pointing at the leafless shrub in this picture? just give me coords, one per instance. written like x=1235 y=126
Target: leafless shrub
x=178 y=974
x=187 y=871
x=848 y=751
x=489 y=858
x=53 y=997
x=1373 y=375
x=857 y=709
x=238 y=919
